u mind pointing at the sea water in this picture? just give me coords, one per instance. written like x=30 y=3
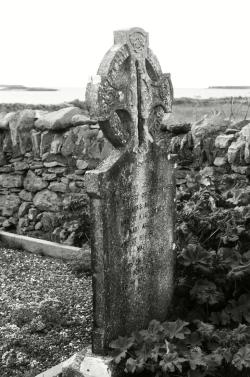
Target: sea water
x=69 y=94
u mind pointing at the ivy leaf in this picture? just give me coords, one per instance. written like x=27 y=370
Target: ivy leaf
x=121 y=345
x=152 y=334
x=242 y=358
x=225 y=353
x=205 y=329
x=176 y=329
x=205 y=291
x=155 y=352
x=194 y=339
x=197 y=256
x=133 y=365
x=237 y=310
x=228 y=257
x=246 y=256
x=238 y=272
x=241 y=333
x=196 y=358
x=171 y=362
x=213 y=361
x=220 y=317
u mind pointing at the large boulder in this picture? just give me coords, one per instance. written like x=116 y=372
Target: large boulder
x=34 y=183
x=57 y=120
x=47 y=200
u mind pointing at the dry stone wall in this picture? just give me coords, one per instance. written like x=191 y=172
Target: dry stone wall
x=216 y=150
x=43 y=159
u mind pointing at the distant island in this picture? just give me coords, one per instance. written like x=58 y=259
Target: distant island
x=26 y=88
x=229 y=87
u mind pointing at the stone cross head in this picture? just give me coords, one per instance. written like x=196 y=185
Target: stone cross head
x=130 y=94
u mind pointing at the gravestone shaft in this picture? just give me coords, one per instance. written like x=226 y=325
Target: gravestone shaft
x=131 y=193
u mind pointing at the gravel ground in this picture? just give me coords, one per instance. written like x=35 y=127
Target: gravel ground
x=45 y=312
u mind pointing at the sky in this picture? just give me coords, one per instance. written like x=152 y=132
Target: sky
x=60 y=43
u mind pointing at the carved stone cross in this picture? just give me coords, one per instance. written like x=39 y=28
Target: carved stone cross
x=132 y=192
x=132 y=94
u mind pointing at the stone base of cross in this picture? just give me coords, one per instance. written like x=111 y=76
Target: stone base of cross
x=132 y=196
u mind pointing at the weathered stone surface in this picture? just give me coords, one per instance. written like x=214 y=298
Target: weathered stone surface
x=222 y=141
x=82 y=119
x=34 y=183
x=57 y=120
x=36 y=140
x=21 y=124
x=36 y=165
x=4 y=120
x=70 y=239
x=49 y=176
x=54 y=160
x=23 y=209
x=57 y=170
x=79 y=172
x=86 y=364
x=48 y=220
x=235 y=151
x=220 y=161
x=6 y=169
x=3 y=160
x=32 y=214
x=57 y=187
x=21 y=165
x=73 y=187
x=23 y=222
x=239 y=169
x=6 y=224
x=38 y=226
x=11 y=180
x=68 y=144
x=47 y=200
x=25 y=195
x=7 y=144
x=209 y=124
x=131 y=193
x=75 y=177
x=81 y=164
x=45 y=143
x=56 y=144
x=9 y=204
x=245 y=135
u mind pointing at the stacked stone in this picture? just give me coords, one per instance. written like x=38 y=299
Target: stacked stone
x=43 y=159
x=219 y=151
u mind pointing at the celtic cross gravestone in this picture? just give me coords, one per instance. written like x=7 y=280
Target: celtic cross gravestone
x=132 y=192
